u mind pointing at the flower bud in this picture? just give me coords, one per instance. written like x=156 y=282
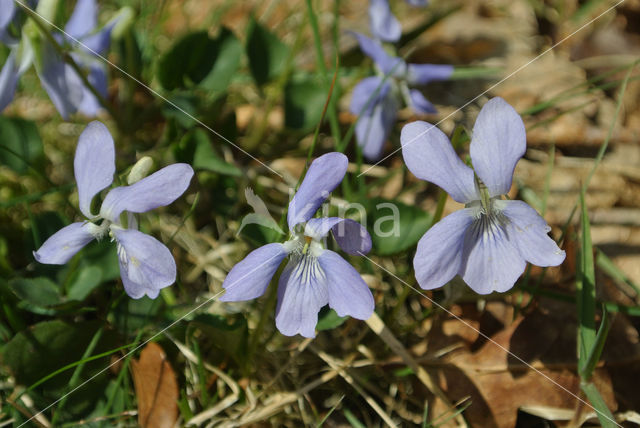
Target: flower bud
x=140 y=170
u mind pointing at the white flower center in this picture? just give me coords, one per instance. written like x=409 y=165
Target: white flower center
x=303 y=255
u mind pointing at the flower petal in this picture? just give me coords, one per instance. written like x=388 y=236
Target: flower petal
x=352 y=237
x=90 y=106
x=388 y=65
x=373 y=130
x=324 y=175
x=83 y=19
x=8 y=9
x=146 y=264
x=439 y=254
x=490 y=262
x=157 y=190
x=429 y=155
x=250 y=277
x=499 y=140
x=418 y=3
x=365 y=94
x=383 y=23
x=302 y=292
x=65 y=243
x=8 y=81
x=527 y=231
x=421 y=74
x=95 y=44
x=420 y=104
x=348 y=293
x=94 y=164
x=60 y=81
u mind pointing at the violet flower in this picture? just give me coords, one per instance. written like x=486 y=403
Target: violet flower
x=10 y=73
x=489 y=242
x=62 y=83
x=376 y=99
x=8 y=9
x=65 y=88
x=146 y=265
x=314 y=276
x=383 y=23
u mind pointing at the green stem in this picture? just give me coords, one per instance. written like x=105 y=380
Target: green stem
x=333 y=116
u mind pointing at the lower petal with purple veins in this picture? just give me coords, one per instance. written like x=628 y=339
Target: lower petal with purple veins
x=302 y=292
x=490 y=262
x=146 y=264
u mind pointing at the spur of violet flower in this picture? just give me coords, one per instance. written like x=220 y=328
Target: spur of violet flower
x=146 y=265
x=65 y=88
x=376 y=99
x=489 y=242
x=314 y=276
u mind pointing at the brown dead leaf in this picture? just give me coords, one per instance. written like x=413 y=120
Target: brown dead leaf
x=499 y=384
x=156 y=388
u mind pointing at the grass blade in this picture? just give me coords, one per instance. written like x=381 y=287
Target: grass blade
x=585 y=289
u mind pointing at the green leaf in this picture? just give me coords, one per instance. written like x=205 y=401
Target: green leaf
x=328 y=319
x=260 y=235
x=303 y=103
x=196 y=148
x=183 y=108
x=197 y=59
x=20 y=144
x=604 y=414
x=83 y=282
x=188 y=61
x=585 y=288
x=37 y=291
x=594 y=353
x=394 y=226
x=267 y=54
x=228 y=53
x=48 y=346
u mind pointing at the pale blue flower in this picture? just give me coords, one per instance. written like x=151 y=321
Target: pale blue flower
x=146 y=265
x=376 y=98
x=8 y=10
x=489 y=242
x=314 y=276
x=383 y=23
x=65 y=88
